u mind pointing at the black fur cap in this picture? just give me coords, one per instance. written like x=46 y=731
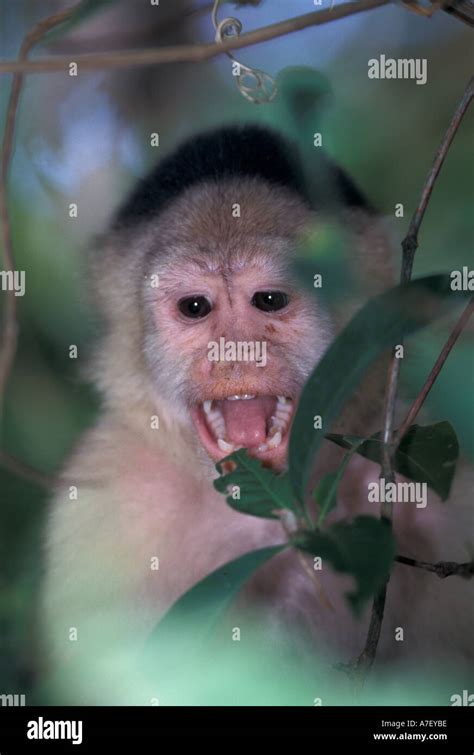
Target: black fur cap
x=230 y=151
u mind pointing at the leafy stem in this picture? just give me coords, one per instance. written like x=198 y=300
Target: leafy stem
x=409 y=247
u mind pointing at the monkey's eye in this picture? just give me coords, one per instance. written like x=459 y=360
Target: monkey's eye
x=194 y=307
x=270 y=301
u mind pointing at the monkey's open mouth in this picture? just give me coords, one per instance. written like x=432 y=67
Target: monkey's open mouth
x=258 y=423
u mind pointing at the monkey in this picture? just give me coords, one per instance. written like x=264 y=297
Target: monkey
x=200 y=251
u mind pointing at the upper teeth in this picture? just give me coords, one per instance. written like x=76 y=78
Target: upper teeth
x=278 y=422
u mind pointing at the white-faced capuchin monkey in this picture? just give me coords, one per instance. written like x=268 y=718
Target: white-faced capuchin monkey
x=201 y=252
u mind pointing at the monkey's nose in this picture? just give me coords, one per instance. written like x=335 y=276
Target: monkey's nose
x=225 y=369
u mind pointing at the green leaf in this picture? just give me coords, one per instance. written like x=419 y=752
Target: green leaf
x=202 y=607
x=383 y=322
x=425 y=454
x=261 y=491
x=86 y=9
x=364 y=548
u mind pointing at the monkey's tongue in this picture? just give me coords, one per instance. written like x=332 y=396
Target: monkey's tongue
x=246 y=421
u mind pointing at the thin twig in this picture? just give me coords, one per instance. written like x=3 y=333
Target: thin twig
x=366 y=659
x=20 y=469
x=442 y=569
x=410 y=242
x=9 y=320
x=188 y=53
x=418 y=403
x=320 y=591
x=290 y=525
x=409 y=245
x=49 y=482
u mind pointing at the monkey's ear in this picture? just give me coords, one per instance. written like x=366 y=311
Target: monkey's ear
x=113 y=272
x=330 y=187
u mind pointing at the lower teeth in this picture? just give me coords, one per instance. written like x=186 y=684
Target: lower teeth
x=275 y=440
x=224 y=446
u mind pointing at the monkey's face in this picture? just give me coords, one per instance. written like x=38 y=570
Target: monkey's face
x=237 y=336
x=243 y=341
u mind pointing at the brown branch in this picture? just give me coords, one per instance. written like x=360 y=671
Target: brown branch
x=363 y=664
x=410 y=242
x=290 y=525
x=188 y=53
x=442 y=569
x=366 y=659
x=9 y=320
x=47 y=481
x=418 y=403
x=20 y=469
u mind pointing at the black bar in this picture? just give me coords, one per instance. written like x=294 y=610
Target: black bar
x=446 y=728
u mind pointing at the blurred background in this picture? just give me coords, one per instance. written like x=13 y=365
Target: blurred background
x=86 y=139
